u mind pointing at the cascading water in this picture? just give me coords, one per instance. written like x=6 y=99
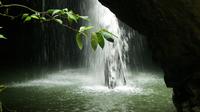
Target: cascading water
x=111 y=61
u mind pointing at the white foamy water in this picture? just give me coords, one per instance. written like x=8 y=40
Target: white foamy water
x=84 y=82
x=118 y=89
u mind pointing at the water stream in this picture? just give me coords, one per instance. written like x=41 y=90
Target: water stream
x=111 y=61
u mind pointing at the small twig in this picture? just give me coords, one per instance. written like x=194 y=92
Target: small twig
x=35 y=11
x=69 y=27
x=65 y=25
x=19 y=5
x=6 y=15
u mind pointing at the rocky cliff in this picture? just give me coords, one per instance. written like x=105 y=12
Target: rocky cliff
x=173 y=32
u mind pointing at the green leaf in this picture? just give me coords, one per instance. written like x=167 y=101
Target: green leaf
x=72 y=16
x=69 y=20
x=59 y=21
x=84 y=18
x=108 y=36
x=62 y=12
x=50 y=11
x=85 y=28
x=65 y=10
x=2 y=37
x=28 y=18
x=43 y=18
x=56 y=11
x=79 y=41
x=94 y=41
x=34 y=16
x=100 y=40
x=105 y=30
x=24 y=15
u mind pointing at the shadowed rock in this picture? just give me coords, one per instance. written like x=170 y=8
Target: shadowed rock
x=172 y=28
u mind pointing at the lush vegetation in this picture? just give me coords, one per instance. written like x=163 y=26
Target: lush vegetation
x=66 y=18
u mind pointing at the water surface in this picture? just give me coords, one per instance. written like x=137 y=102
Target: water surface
x=77 y=90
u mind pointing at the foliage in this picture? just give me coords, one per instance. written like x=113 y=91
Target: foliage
x=2 y=36
x=66 y=18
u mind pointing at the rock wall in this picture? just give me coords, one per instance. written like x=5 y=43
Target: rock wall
x=173 y=32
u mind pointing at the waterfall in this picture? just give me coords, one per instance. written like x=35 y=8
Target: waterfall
x=128 y=52
x=108 y=65
x=111 y=61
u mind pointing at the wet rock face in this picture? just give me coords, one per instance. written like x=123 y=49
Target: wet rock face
x=173 y=32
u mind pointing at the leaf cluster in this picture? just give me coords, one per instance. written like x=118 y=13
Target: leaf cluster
x=37 y=16
x=60 y=15
x=96 y=38
x=66 y=18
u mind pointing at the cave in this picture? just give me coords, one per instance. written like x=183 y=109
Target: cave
x=145 y=56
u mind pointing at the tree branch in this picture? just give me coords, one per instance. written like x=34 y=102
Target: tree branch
x=6 y=15
x=19 y=5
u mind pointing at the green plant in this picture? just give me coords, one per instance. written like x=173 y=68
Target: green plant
x=66 y=18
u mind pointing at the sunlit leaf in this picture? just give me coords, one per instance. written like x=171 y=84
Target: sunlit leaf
x=100 y=40
x=65 y=9
x=59 y=21
x=24 y=15
x=2 y=37
x=34 y=16
x=42 y=18
x=69 y=20
x=72 y=16
x=56 y=11
x=85 y=18
x=50 y=11
x=79 y=41
x=94 y=41
x=85 y=28
x=62 y=12
x=28 y=18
